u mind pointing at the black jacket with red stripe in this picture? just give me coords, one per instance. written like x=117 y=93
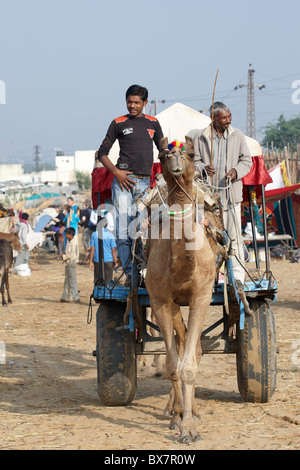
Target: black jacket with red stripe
x=136 y=136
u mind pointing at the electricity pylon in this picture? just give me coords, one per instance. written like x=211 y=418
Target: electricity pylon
x=250 y=124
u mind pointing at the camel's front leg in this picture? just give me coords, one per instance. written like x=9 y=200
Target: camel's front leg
x=188 y=370
x=163 y=315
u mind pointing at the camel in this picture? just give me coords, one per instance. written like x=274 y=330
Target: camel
x=181 y=271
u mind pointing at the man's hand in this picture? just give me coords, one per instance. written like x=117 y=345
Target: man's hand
x=123 y=178
x=210 y=170
x=232 y=174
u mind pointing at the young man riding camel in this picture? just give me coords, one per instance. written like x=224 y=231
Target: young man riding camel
x=136 y=133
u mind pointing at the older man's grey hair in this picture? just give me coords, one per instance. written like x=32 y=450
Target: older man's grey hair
x=218 y=106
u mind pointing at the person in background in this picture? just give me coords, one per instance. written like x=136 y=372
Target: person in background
x=69 y=258
x=72 y=219
x=110 y=257
x=88 y=228
x=61 y=240
x=22 y=229
x=56 y=220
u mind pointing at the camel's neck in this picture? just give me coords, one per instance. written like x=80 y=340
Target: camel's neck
x=182 y=227
x=182 y=256
x=180 y=192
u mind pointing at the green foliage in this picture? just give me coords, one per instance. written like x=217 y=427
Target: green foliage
x=283 y=133
x=83 y=180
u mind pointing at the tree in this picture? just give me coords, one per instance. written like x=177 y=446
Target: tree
x=283 y=133
x=83 y=180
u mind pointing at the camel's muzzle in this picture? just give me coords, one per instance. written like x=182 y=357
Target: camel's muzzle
x=176 y=164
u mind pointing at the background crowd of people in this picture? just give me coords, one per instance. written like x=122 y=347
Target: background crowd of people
x=61 y=237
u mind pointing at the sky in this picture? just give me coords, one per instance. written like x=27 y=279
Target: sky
x=65 y=65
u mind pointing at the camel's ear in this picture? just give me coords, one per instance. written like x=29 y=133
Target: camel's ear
x=163 y=144
x=189 y=141
x=189 y=148
x=163 y=148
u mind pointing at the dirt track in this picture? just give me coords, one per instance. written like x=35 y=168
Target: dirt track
x=48 y=395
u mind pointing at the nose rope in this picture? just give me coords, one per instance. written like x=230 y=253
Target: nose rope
x=177 y=182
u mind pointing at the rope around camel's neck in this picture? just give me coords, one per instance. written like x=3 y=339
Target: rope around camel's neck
x=182 y=217
x=180 y=195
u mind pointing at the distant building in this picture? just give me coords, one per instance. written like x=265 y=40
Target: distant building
x=66 y=166
x=11 y=172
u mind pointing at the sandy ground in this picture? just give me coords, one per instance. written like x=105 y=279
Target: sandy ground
x=48 y=381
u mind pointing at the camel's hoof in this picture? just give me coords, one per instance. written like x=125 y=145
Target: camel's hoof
x=185 y=440
x=175 y=423
x=188 y=439
x=158 y=373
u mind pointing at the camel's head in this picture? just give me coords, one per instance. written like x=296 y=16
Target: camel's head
x=176 y=156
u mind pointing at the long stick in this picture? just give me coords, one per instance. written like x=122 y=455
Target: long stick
x=212 y=118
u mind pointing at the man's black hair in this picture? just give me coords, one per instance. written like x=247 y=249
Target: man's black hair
x=70 y=230
x=137 y=90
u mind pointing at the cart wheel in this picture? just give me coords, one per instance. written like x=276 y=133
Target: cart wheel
x=116 y=357
x=257 y=355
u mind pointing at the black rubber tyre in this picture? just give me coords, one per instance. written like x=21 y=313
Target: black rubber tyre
x=116 y=356
x=257 y=355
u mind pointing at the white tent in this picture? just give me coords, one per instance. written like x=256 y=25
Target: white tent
x=179 y=121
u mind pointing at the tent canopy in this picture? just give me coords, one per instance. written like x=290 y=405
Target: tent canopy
x=37 y=199
x=43 y=195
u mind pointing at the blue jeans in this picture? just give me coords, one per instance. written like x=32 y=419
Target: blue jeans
x=125 y=209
